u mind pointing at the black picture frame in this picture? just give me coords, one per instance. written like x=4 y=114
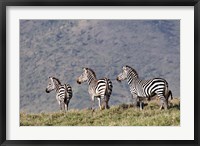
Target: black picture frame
x=5 y=3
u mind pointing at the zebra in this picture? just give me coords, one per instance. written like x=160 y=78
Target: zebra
x=98 y=88
x=141 y=89
x=63 y=92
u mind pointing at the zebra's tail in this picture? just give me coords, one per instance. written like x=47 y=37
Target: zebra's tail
x=69 y=91
x=108 y=91
x=168 y=92
x=107 y=86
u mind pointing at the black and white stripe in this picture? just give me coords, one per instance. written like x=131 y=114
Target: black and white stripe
x=101 y=88
x=63 y=92
x=141 y=89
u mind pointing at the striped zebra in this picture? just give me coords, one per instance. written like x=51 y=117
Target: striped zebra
x=63 y=92
x=98 y=88
x=141 y=89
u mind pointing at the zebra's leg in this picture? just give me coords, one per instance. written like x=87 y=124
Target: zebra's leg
x=163 y=103
x=134 y=100
x=107 y=106
x=67 y=105
x=99 y=99
x=141 y=103
x=60 y=104
x=106 y=99
x=92 y=103
x=166 y=104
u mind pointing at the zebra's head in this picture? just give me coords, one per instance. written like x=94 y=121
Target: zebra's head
x=52 y=84
x=127 y=71
x=87 y=74
x=123 y=75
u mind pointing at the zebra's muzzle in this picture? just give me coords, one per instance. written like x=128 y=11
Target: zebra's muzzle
x=78 y=81
x=118 y=79
x=47 y=91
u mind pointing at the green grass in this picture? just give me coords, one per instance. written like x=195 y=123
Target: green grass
x=120 y=115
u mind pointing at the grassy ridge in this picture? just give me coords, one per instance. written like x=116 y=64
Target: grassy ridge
x=120 y=115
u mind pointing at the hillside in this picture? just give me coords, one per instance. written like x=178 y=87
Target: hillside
x=61 y=48
x=120 y=115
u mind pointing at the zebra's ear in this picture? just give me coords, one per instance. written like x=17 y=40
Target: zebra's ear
x=126 y=66
x=84 y=68
x=52 y=77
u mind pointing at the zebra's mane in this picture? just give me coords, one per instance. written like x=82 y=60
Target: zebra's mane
x=91 y=71
x=56 y=80
x=133 y=70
